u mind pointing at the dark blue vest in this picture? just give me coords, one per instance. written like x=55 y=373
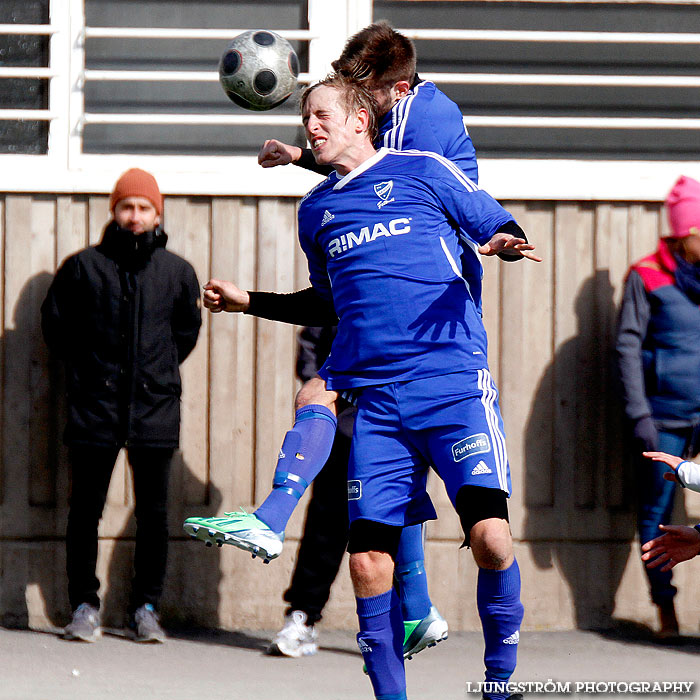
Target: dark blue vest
x=671 y=348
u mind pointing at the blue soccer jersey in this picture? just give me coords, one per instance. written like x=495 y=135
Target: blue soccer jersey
x=383 y=245
x=427 y=120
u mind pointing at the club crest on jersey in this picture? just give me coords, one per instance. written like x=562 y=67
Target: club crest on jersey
x=354 y=490
x=368 y=234
x=383 y=191
x=472 y=445
x=327 y=216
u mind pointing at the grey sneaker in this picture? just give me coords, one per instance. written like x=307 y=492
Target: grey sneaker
x=85 y=625
x=145 y=625
x=296 y=638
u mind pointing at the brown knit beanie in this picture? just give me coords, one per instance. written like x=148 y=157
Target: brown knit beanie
x=137 y=183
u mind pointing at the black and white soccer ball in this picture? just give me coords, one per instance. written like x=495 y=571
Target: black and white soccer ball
x=259 y=70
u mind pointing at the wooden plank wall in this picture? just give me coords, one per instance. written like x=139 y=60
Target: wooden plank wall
x=550 y=327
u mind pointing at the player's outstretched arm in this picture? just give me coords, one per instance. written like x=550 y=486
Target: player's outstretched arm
x=304 y=307
x=671 y=460
x=224 y=296
x=679 y=543
x=685 y=473
x=275 y=153
x=507 y=243
x=664 y=457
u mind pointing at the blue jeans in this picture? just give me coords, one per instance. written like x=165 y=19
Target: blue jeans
x=656 y=497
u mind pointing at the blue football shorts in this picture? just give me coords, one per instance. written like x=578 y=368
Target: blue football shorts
x=451 y=422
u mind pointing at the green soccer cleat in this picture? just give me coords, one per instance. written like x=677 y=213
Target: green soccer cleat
x=243 y=530
x=419 y=634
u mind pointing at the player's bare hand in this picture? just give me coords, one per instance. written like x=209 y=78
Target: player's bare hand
x=679 y=543
x=224 y=296
x=671 y=460
x=275 y=152
x=507 y=243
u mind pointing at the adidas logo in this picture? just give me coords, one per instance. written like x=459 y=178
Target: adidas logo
x=327 y=216
x=481 y=468
x=364 y=647
x=513 y=639
x=281 y=455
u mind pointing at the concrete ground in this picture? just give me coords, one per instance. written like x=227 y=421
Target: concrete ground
x=211 y=665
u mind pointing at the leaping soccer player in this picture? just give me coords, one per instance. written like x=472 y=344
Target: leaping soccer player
x=414 y=115
x=382 y=236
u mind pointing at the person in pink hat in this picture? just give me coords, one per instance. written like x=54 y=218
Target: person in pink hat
x=658 y=351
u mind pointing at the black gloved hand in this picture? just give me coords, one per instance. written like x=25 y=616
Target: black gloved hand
x=646 y=436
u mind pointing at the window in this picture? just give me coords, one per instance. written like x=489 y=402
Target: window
x=615 y=81
x=563 y=99
x=23 y=90
x=112 y=97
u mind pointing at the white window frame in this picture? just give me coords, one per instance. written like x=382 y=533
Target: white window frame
x=66 y=169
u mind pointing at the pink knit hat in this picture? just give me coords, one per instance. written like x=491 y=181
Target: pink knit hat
x=683 y=206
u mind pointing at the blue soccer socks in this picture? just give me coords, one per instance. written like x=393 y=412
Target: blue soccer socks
x=304 y=452
x=501 y=612
x=409 y=573
x=381 y=642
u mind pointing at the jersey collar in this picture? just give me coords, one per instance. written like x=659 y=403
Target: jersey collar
x=360 y=168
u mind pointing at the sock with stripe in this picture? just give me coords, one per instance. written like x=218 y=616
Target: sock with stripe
x=304 y=452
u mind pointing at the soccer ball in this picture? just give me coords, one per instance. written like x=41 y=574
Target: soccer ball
x=259 y=70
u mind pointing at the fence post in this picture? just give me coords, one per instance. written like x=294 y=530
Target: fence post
x=332 y=22
x=76 y=87
x=59 y=58
x=66 y=99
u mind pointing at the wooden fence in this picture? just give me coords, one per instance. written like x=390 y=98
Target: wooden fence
x=550 y=326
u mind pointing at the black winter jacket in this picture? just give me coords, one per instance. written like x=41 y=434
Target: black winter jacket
x=122 y=316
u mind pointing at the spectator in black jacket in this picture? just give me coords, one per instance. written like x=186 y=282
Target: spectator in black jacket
x=122 y=316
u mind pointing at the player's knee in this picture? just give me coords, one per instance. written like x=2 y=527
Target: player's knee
x=371 y=572
x=360 y=567
x=315 y=392
x=370 y=536
x=492 y=544
x=475 y=504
